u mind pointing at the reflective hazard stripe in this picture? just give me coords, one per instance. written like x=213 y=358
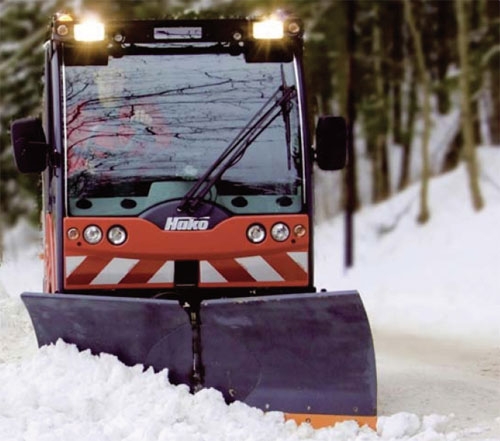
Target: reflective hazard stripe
x=114 y=271
x=259 y=269
x=300 y=257
x=93 y=271
x=165 y=274
x=72 y=262
x=208 y=274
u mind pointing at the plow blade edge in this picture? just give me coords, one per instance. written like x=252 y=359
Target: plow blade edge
x=308 y=355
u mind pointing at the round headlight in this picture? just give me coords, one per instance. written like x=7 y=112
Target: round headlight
x=280 y=232
x=256 y=233
x=92 y=234
x=117 y=235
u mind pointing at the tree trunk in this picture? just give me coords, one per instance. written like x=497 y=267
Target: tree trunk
x=424 y=213
x=443 y=59
x=494 y=117
x=381 y=178
x=397 y=71
x=404 y=177
x=491 y=13
x=350 y=177
x=475 y=78
x=373 y=146
x=1 y=241
x=467 y=126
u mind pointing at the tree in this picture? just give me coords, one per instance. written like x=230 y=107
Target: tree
x=440 y=49
x=465 y=99
x=489 y=58
x=397 y=70
x=23 y=27
x=424 y=213
x=350 y=187
x=378 y=143
x=408 y=131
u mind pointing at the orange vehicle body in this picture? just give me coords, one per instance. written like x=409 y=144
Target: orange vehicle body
x=226 y=258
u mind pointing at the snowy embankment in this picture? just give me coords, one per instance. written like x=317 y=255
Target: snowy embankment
x=432 y=294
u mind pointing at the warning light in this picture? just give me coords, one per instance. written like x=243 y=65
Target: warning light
x=61 y=16
x=90 y=30
x=271 y=29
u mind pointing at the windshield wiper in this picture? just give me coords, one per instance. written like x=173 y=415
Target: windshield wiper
x=277 y=104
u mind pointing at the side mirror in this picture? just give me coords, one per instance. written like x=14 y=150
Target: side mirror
x=331 y=143
x=30 y=147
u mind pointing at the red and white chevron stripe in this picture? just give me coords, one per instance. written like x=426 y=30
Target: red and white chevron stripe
x=95 y=271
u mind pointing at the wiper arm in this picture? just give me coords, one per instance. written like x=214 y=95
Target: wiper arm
x=236 y=149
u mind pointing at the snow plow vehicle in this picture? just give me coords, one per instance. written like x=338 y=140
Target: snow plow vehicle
x=177 y=180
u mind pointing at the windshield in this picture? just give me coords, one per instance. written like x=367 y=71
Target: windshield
x=143 y=129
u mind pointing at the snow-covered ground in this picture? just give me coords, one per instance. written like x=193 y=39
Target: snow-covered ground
x=432 y=294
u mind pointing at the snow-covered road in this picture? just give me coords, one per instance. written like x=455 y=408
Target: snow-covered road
x=454 y=378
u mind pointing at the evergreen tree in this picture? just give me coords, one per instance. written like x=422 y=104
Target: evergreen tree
x=23 y=29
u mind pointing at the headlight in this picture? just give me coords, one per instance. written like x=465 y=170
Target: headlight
x=271 y=29
x=256 y=233
x=117 y=235
x=92 y=234
x=90 y=30
x=280 y=232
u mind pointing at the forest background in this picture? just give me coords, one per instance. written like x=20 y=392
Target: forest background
x=395 y=69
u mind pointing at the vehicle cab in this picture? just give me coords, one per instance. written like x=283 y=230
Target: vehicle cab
x=176 y=154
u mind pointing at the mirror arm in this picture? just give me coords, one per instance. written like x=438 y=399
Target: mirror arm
x=55 y=158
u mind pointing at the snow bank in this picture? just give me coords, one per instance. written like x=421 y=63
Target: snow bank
x=62 y=394
x=21 y=270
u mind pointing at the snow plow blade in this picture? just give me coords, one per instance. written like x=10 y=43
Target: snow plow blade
x=308 y=355
x=129 y=328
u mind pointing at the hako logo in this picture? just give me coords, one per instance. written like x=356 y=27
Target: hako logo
x=186 y=223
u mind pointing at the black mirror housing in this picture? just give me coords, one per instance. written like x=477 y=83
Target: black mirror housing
x=29 y=144
x=331 y=143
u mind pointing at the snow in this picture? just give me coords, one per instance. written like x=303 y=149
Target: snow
x=62 y=394
x=432 y=295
